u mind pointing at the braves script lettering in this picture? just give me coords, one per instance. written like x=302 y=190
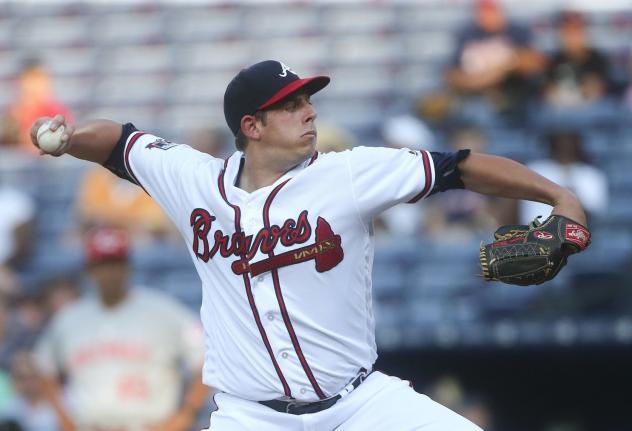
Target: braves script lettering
x=326 y=251
x=241 y=245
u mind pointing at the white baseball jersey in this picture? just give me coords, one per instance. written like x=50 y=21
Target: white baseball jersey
x=286 y=269
x=123 y=364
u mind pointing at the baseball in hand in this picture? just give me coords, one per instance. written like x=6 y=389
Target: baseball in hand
x=49 y=141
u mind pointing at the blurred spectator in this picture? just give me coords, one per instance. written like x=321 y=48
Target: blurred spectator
x=568 y=166
x=16 y=166
x=24 y=318
x=29 y=407
x=9 y=132
x=493 y=66
x=106 y=200
x=448 y=391
x=8 y=282
x=461 y=214
x=333 y=138
x=404 y=132
x=10 y=425
x=60 y=292
x=578 y=73
x=18 y=208
x=436 y=111
x=212 y=140
x=6 y=391
x=476 y=410
x=122 y=351
x=34 y=99
x=24 y=322
x=16 y=226
x=627 y=97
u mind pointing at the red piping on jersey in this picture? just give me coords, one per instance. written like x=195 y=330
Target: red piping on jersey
x=428 y=173
x=130 y=144
x=313 y=159
x=279 y=295
x=251 y=299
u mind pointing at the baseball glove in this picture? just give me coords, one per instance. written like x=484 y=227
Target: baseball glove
x=532 y=254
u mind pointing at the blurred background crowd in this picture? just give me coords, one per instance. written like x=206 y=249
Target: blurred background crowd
x=547 y=83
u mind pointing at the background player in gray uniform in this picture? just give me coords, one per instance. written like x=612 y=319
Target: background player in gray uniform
x=122 y=351
x=282 y=239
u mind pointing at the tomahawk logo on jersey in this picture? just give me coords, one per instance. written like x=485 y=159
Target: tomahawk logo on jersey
x=285 y=307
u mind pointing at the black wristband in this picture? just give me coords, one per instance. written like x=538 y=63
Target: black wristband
x=116 y=162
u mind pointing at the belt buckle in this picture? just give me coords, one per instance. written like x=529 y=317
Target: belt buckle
x=294 y=403
x=289 y=405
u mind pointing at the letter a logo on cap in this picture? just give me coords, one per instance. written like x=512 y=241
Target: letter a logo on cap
x=284 y=70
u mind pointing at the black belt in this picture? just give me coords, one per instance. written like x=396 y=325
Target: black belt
x=295 y=407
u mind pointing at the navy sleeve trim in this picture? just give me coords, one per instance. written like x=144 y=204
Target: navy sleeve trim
x=116 y=162
x=447 y=173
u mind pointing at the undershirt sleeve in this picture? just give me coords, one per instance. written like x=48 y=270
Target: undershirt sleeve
x=115 y=163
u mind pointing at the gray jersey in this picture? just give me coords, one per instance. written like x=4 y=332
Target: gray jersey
x=123 y=364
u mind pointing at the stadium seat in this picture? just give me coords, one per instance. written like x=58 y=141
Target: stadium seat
x=196 y=24
x=131 y=89
x=358 y=19
x=281 y=20
x=217 y=56
x=154 y=58
x=49 y=32
x=116 y=29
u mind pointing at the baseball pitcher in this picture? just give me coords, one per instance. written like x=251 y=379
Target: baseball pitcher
x=282 y=239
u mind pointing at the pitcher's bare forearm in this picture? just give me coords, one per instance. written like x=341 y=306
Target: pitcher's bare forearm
x=95 y=140
x=499 y=176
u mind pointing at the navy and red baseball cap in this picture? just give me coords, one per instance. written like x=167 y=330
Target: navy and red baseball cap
x=262 y=85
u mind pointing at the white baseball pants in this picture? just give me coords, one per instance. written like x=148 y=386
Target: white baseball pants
x=380 y=403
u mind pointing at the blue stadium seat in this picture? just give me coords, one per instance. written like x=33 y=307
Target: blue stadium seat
x=340 y=19
x=199 y=24
x=281 y=20
x=307 y=55
x=146 y=59
x=217 y=57
x=131 y=89
x=53 y=31
x=124 y=28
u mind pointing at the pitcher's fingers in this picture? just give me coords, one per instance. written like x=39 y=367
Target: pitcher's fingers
x=58 y=120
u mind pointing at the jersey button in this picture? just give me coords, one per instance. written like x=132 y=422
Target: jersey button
x=303 y=390
x=270 y=316
x=284 y=355
x=260 y=278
